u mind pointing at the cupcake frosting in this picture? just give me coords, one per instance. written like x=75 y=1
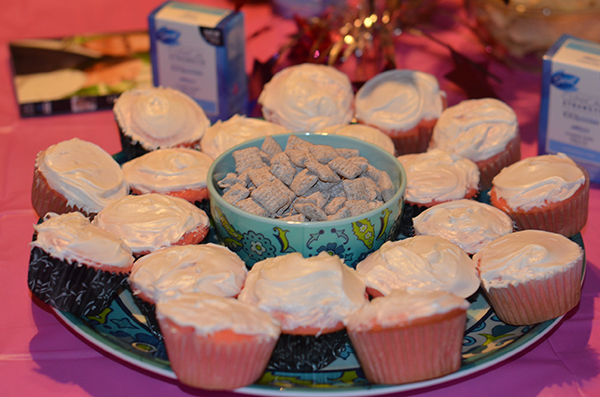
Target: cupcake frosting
x=467 y=223
x=178 y=270
x=150 y=221
x=438 y=175
x=534 y=181
x=401 y=308
x=397 y=100
x=319 y=291
x=420 y=263
x=83 y=173
x=208 y=314
x=308 y=97
x=160 y=117
x=525 y=255
x=71 y=237
x=224 y=135
x=364 y=133
x=476 y=129
x=167 y=170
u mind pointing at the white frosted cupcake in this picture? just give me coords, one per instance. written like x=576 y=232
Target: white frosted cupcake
x=179 y=270
x=438 y=176
x=216 y=343
x=548 y=192
x=364 y=133
x=435 y=177
x=153 y=221
x=392 y=336
x=308 y=97
x=178 y=172
x=75 y=266
x=76 y=175
x=531 y=276
x=310 y=297
x=427 y=263
x=485 y=131
x=158 y=117
x=224 y=135
x=469 y=224
x=405 y=104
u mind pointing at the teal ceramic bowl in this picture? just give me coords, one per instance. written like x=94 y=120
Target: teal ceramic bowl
x=255 y=238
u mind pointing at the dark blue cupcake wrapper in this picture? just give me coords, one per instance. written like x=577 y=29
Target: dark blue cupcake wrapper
x=149 y=311
x=129 y=148
x=307 y=353
x=71 y=287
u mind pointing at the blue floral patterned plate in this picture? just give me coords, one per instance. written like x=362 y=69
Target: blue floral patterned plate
x=123 y=332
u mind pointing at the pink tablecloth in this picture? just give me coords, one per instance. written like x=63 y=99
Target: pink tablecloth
x=40 y=356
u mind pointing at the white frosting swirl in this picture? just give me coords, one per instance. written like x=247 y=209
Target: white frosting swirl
x=365 y=133
x=150 y=221
x=224 y=135
x=534 y=181
x=401 y=308
x=83 y=173
x=525 y=255
x=160 y=117
x=173 y=271
x=476 y=128
x=208 y=314
x=467 y=223
x=167 y=170
x=308 y=97
x=420 y=263
x=397 y=100
x=70 y=237
x=438 y=175
x=319 y=291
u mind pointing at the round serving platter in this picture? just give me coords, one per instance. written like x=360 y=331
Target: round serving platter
x=122 y=331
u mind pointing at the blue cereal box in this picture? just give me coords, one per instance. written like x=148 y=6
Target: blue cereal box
x=570 y=106
x=200 y=51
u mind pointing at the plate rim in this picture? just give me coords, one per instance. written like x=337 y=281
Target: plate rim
x=370 y=390
x=496 y=357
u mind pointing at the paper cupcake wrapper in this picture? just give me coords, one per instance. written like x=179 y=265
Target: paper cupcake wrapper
x=489 y=168
x=130 y=148
x=307 y=353
x=408 y=354
x=566 y=218
x=70 y=287
x=149 y=311
x=537 y=301
x=412 y=141
x=409 y=212
x=45 y=199
x=200 y=362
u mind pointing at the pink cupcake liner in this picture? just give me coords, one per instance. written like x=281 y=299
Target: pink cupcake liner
x=412 y=141
x=412 y=353
x=537 y=301
x=489 y=168
x=200 y=362
x=566 y=218
x=45 y=199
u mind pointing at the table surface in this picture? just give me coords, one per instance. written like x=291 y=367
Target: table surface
x=40 y=356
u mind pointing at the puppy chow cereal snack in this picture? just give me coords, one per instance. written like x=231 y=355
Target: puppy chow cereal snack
x=304 y=181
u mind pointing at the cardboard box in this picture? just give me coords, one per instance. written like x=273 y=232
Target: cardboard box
x=80 y=73
x=570 y=106
x=200 y=51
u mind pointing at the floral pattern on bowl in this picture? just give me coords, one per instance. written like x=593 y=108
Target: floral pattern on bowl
x=255 y=238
